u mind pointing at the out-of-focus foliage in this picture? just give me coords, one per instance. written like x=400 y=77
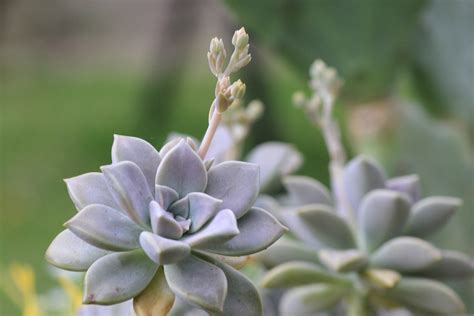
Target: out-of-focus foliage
x=364 y=40
x=444 y=57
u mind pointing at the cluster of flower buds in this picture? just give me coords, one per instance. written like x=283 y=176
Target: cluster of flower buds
x=324 y=79
x=226 y=92
x=325 y=83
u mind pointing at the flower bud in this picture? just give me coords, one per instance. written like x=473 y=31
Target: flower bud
x=216 y=56
x=237 y=89
x=240 y=38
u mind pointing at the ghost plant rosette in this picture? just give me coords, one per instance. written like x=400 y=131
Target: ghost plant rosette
x=362 y=246
x=158 y=225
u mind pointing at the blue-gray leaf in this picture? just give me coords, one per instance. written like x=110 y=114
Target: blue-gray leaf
x=220 y=229
x=106 y=228
x=165 y=196
x=410 y=185
x=453 y=264
x=198 y=282
x=163 y=250
x=405 y=254
x=310 y=299
x=285 y=250
x=182 y=170
x=89 y=188
x=69 y=252
x=275 y=160
x=142 y=153
x=130 y=190
x=382 y=216
x=427 y=297
x=430 y=214
x=242 y=296
x=163 y=222
x=328 y=227
x=258 y=230
x=362 y=175
x=118 y=277
x=236 y=184
x=305 y=190
x=297 y=273
x=202 y=208
x=343 y=260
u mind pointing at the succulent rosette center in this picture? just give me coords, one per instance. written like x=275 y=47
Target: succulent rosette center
x=159 y=218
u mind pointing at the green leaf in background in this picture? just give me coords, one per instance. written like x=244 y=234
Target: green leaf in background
x=364 y=40
x=444 y=57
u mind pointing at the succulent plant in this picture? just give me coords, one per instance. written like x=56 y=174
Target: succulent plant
x=382 y=258
x=359 y=249
x=152 y=220
x=159 y=227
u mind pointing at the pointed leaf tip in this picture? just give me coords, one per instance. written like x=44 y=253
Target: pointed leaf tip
x=182 y=170
x=362 y=175
x=431 y=214
x=236 y=184
x=382 y=215
x=405 y=254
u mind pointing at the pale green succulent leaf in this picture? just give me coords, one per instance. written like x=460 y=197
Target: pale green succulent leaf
x=430 y=214
x=182 y=170
x=198 y=283
x=382 y=215
x=242 y=296
x=405 y=254
x=343 y=260
x=236 y=184
x=89 y=188
x=427 y=296
x=310 y=299
x=202 y=208
x=285 y=250
x=156 y=299
x=163 y=222
x=131 y=192
x=305 y=190
x=328 y=227
x=139 y=151
x=297 y=273
x=362 y=175
x=258 y=230
x=299 y=227
x=118 y=277
x=69 y=252
x=163 y=250
x=275 y=160
x=165 y=196
x=453 y=264
x=106 y=228
x=409 y=184
x=221 y=228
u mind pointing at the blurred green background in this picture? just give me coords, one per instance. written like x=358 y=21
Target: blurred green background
x=74 y=73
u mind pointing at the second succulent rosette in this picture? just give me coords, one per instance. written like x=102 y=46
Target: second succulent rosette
x=158 y=226
x=383 y=260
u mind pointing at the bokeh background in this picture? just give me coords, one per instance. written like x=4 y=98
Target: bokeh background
x=73 y=73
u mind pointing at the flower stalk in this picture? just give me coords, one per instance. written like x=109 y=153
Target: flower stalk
x=226 y=94
x=319 y=108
